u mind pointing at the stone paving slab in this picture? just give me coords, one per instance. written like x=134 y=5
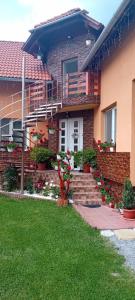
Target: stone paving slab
x=125 y=234
x=104 y=218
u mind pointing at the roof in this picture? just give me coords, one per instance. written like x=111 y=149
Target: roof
x=106 y=32
x=11 y=55
x=56 y=24
x=69 y=13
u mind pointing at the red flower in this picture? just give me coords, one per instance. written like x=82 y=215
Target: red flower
x=99 y=142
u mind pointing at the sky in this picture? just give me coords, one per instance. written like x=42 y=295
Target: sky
x=18 y=16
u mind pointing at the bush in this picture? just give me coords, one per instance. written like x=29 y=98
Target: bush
x=89 y=156
x=128 y=195
x=11 y=176
x=29 y=185
x=40 y=154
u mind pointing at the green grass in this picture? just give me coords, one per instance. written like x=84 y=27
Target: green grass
x=49 y=253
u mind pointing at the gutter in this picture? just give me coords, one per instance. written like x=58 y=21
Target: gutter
x=105 y=33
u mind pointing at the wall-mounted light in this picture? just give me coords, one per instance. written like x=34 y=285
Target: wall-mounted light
x=39 y=54
x=89 y=40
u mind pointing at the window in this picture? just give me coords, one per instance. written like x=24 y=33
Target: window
x=70 y=66
x=110 y=125
x=6 y=129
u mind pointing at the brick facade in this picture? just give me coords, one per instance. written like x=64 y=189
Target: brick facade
x=114 y=166
x=88 y=125
x=64 y=50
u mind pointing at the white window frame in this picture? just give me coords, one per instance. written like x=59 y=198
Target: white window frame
x=113 y=125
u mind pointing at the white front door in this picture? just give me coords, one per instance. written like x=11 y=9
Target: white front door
x=71 y=135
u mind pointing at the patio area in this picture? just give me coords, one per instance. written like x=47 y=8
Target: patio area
x=104 y=218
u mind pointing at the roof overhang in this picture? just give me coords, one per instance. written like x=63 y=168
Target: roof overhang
x=106 y=32
x=57 y=25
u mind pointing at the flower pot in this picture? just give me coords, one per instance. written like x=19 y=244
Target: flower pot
x=41 y=166
x=111 y=149
x=129 y=213
x=10 y=149
x=62 y=202
x=86 y=168
x=51 y=131
x=35 y=138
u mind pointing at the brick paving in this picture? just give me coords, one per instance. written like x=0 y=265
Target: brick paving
x=104 y=218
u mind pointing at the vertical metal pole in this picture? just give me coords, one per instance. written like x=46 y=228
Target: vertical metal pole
x=23 y=124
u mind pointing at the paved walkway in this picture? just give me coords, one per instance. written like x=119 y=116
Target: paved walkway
x=104 y=218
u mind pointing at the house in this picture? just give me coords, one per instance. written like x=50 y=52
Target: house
x=11 y=55
x=113 y=55
x=71 y=96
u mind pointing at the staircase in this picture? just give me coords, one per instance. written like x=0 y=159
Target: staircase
x=84 y=189
x=41 y=106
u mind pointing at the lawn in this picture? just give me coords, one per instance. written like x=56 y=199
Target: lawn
x=50 y=253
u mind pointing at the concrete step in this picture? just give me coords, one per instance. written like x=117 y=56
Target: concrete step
x=84 y=182
x=86 y=195
x=92 y=202
x=83 y=188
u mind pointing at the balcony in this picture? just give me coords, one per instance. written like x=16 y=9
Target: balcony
x=77 y=89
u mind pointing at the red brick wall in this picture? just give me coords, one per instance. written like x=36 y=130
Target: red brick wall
x=114 y=165
x=7 y=158
x=88 y=118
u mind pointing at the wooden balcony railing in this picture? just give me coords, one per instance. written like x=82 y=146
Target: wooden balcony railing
x=74 y=84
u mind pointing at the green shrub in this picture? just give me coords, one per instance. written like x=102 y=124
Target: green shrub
x=29 y=185
x=128 y=195
x=10 y=178
x=89 y=156
x=40 y=154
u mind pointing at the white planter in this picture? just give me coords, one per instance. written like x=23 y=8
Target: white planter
x=58 y=157
x=35 y=138
x=98 y=183
x=111 y=149
x=51 y=131
x=10 y=149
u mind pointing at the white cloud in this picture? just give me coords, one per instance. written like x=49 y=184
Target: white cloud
x=43 y=9
x=36 y=12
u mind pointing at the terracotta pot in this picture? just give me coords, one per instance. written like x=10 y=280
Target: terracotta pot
x=129 y=213
x=41 y=166
x=86 y=168
x=62 y=202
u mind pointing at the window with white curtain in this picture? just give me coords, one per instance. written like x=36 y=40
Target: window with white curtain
x=6 y=129
x=110 y=125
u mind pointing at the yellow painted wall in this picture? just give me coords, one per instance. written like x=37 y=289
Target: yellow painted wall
x=116 y=87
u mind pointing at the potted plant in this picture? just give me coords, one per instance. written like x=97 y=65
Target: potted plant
x=52 y=125
x=41 y=155
x=78 y=159
x=128 y=200
x=11 y=146
x=89 y=155
x=37 y=135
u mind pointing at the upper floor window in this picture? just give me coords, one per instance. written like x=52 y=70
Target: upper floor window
x=110 y=125
x=70 y=66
